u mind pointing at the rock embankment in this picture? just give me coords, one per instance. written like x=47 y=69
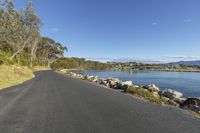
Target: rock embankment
x=150 y=92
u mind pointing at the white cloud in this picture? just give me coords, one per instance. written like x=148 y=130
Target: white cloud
x=183 y=57
x=188 y=20
x=159 y=60
x=100 y=59
x=154 y=23
x=55 y=29
x=127 y=59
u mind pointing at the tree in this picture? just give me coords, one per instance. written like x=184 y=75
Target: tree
x=79 y=63
x=50 y=51
x=9 y=23
x=32 y=23
x=22 y=29
x=12 y=29
x=20 y=39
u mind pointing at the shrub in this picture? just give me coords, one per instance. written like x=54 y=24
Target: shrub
x=144 y=93
x=5 y=58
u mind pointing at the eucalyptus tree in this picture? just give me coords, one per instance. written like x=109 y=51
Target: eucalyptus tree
x=32 y=25
x=49 y=51
x=13 y=32
x=20 y=30
x=10 y=30
x=20 y=33
x=9 y=23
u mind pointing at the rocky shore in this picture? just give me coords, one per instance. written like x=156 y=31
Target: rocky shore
x=150 y=92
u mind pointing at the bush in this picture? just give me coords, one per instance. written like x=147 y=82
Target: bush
x=5 y=58
x=144 y=93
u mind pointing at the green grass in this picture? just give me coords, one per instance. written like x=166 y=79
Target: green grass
x=5 y=58
x=11 y=75
x=143 y=93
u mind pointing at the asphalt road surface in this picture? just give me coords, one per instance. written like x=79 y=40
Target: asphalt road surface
x=55 y=103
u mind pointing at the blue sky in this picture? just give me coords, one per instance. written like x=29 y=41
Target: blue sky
x=164 y=30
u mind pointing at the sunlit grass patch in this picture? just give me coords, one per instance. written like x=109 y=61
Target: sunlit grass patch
x=40 y=68
x=144 y=93
x=11 y=75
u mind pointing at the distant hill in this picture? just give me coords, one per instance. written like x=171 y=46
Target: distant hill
x=187 y=63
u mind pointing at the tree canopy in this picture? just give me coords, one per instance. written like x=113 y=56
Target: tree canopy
x=20 y=38
x=79 y=63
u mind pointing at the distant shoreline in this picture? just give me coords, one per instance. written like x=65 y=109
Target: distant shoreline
x=162 y=70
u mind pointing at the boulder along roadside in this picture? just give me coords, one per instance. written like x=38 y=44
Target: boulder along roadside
x=150 y=92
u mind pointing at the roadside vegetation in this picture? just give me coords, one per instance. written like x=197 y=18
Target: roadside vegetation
x=20 y=39
x=80 y=64
x=145 y=94
x=21 y=45
x=11 y=75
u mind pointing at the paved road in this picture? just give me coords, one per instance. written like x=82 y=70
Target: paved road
x=55 y=103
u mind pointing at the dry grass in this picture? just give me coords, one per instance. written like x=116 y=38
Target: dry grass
x=196 y=114
x=11 y=75
x=40 y=68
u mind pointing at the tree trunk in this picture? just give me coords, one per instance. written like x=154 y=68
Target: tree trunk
x=31 y=62
x=32 y=54
x=17 y=52
x=49 y=65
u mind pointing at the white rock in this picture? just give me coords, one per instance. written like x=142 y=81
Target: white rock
x=125 y=85
x=90 y=78
x=64 y=70
x=136 y=86
x=114 y=83
x=172 y=94
x=128 y=83
x=153 y=88
x=96 y=79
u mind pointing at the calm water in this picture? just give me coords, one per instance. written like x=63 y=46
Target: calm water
x=186 y=82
